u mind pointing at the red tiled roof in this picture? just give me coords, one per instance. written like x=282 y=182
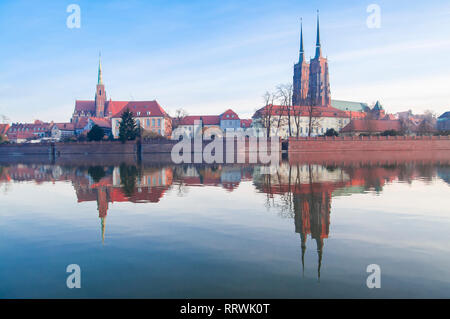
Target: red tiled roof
x=25 y=130
x=3 y=129
x=142 y=109
x=84 y=106
x=81 y=124
x=246 y=123
x=206 y=119
x=318 y=111
x=65 y=126
x=111 y=107
x=105 y=123
x=114 y=107
x=231 y=115
x=20 y=135
x=371 y=125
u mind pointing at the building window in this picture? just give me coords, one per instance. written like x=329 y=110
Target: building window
x=153 y=122
x=159 y=122
x=148 y=122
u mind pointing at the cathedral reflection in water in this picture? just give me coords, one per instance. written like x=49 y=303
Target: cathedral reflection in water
x=301 y=191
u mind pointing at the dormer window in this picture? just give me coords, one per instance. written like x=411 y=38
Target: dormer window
x=138 y=113
x=148 y=113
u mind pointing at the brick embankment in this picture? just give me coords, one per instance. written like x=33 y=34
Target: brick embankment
x=344 y=158
x=362 y=144
x=25 y=149
x=87 y=148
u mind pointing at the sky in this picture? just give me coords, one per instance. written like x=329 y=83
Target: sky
x=207 y=56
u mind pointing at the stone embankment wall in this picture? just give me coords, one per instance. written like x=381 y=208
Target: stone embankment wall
x=371 y=143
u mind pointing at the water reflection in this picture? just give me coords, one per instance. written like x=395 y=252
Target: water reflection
x=298 y=190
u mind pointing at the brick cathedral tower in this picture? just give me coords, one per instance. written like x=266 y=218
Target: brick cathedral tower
x=301 y=76
x=319 y=84
x=311 y=85
x=100 y=94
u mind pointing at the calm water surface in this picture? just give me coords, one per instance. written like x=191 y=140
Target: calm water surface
x=298 y=230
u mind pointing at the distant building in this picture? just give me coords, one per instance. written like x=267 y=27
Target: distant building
x=60 y=131
x=229 y=121
x=247 y=123
x=369 y=127
x=149 y=116
x=443 y=122
x=104 y=124
x=303 y=119
x=22 y=132
x=349 y=106
x=218 y=125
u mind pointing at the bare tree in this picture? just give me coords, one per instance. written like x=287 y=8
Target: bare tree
x=428 y=123
x=297 y=114
x=4 y=119
x=179 y=115
x=284 y=95
x=407 y=126
x=267 y=111
x=313 y=118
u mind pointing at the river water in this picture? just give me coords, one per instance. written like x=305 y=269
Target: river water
x=302 y=229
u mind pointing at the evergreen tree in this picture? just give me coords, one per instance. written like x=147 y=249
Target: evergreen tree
x=331 y=132
x=128 y=130
x=128 y=178
x=96 y=133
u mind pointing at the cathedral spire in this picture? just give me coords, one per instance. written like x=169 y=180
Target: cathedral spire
x=302 y=51
x=319 y=253
x=318 y=48
x=303 y=238
x=103 y=222
x=100 y=79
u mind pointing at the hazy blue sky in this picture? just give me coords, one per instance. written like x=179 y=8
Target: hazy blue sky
x=206 y=56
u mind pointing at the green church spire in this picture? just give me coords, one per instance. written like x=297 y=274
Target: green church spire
x=100 y=79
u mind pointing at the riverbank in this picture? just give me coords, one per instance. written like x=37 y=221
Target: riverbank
x=369 y=143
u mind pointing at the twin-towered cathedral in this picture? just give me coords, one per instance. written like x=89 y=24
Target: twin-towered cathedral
x=311 y=84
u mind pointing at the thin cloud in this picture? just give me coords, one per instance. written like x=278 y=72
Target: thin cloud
x=404 y=47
